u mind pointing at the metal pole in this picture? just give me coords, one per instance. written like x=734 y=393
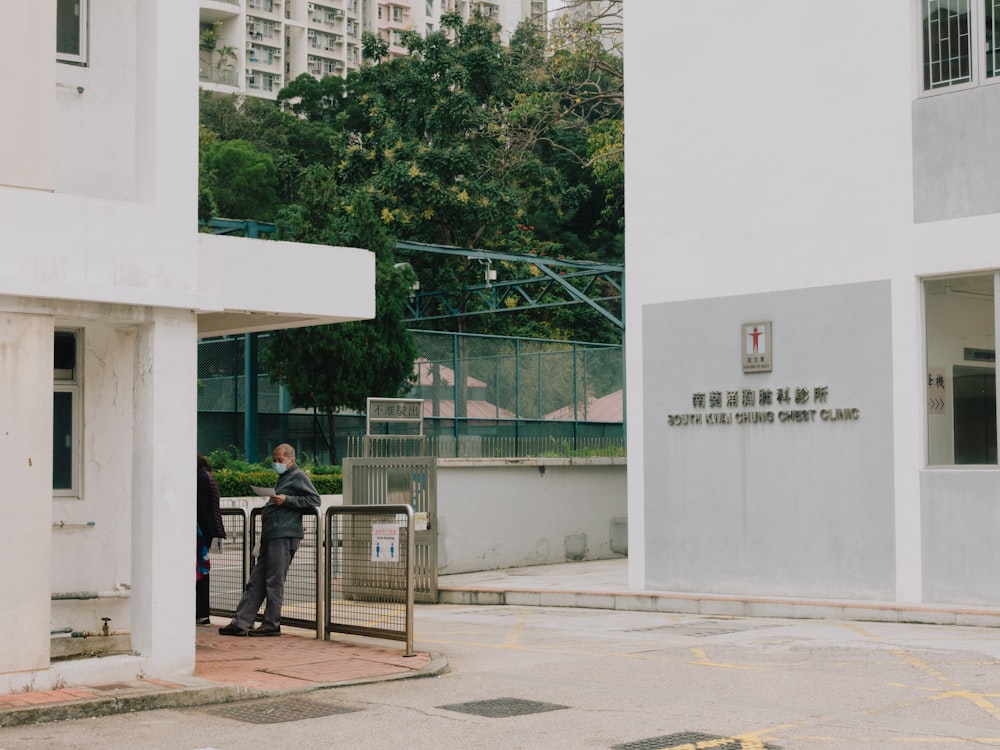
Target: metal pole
x=250 y=423
x=322 y=542
x=454 y=384
x=410 y=548
x=576 y=413
x=250 y=397
x=517 y=394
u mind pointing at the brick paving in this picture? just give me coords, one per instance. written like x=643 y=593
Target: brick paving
x=295 y=660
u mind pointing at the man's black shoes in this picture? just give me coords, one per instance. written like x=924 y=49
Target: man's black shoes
x=263 y=632
x=231 y=629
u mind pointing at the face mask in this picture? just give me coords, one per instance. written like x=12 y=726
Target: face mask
x=280 y=468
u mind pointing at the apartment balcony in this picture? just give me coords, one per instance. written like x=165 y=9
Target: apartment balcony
x=261 y=55
x=223 y=77
x=211 y=11
x=266 y=8
x=486 y=10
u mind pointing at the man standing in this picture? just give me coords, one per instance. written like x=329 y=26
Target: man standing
x=280 y=537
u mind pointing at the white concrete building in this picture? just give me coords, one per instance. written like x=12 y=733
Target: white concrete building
x=257 y=46
x=819 y=180
x=105 y=288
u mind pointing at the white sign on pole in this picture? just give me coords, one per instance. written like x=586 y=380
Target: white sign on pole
x=385 y=543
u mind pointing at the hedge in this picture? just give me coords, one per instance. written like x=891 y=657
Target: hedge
x=233 y=483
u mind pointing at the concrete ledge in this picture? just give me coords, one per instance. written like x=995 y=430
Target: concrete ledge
x=93 y=707
x=727 y=605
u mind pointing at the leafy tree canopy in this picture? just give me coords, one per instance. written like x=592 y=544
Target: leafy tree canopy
x=464 y=141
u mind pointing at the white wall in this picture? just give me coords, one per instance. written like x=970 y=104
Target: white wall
x=511 y=513
x=500 y=513
x=761 y=157
x=770 y=147
x=26 y=148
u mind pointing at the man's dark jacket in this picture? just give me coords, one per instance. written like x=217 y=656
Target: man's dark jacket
x=281 y=521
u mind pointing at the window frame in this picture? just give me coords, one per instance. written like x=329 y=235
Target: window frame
x=72 y=384
x=977 y=57
x=951 y=365
x=83 y=35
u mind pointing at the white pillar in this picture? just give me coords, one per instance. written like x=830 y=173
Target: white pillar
x=163 y=493
x=26 y=501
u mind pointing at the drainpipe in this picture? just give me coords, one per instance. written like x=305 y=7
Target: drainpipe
x=82 y=595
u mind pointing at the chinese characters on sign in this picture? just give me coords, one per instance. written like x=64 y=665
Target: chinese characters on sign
x=935 y=391
x=756 y=347
x=385 y=410
x=754 y=405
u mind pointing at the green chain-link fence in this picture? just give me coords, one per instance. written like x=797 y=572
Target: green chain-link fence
x=483 y=395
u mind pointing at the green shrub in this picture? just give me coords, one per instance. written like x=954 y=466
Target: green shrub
x=236 y=482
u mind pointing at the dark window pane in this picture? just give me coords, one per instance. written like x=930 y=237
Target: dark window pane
x=68 y=27
x=975 y=415
x=62 y=440
x=64 y=353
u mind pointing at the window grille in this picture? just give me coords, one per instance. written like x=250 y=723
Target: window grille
x=959 y=40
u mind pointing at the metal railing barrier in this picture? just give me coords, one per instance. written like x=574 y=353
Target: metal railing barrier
x=301 y=606
x=230 y=565
x=369 y=566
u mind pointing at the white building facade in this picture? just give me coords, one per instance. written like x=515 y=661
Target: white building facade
x=812 y=308
x=105 y=289
x=257 y=46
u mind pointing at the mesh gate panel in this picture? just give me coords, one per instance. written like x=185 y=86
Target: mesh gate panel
x=299 y=603
x=370 y=592
x=226 y=578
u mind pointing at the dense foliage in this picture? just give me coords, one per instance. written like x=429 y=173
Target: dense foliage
x=463 y=142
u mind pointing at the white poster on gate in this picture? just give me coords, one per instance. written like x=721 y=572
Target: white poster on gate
x=385 y=543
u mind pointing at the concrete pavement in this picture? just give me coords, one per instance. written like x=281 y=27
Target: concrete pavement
x=230 y=668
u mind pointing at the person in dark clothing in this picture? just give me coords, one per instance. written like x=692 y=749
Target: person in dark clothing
x=209 y=527
x=279 y=540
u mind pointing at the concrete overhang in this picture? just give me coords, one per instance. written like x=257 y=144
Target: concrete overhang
x=265 y=285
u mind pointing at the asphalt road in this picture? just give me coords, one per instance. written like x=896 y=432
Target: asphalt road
x=578 y=678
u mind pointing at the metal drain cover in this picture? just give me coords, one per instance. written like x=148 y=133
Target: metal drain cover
x=277 y=711
x=496 y=708
x=695 y=741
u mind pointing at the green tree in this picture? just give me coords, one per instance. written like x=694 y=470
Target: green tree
x=242 y=180
x=333 y=367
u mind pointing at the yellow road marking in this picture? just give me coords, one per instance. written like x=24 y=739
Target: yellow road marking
x=515 y=632
x=701 y=659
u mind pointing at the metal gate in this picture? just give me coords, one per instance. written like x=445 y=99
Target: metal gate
x=302 y=604
x=369 y=564
x=409 y=480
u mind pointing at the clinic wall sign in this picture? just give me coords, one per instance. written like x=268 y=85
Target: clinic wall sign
x=756 y=347
x=745 y=406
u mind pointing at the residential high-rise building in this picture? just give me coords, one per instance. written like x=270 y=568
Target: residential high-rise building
x=257 y=46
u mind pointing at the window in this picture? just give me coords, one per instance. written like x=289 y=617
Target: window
x=66 y=414
x=71 y=31
x=397 y=14
x=952 y=34
x=960 y=316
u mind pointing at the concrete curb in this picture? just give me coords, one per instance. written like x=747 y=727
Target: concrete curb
x=721 y=605
x=183 y=697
